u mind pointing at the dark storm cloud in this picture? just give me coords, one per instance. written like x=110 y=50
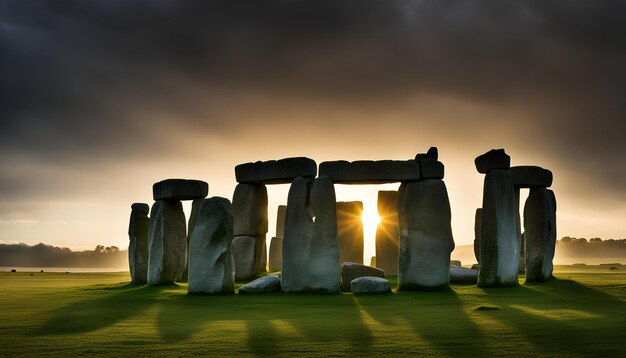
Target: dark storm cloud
x=84 y=80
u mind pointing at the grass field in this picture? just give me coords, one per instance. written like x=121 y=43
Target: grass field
x=582 y=313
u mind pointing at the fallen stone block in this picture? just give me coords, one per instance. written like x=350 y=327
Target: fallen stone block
x=370 y=285
x=463 y=275
x=265 y=284
x=352 y=270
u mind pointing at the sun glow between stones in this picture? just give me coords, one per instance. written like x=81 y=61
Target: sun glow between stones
x=370 y=219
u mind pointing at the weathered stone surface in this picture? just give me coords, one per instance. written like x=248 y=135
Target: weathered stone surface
x=167 y=242
x=352 y=270
x=250 y=209
x=431 y=169
x=499 y=249
x=195 y=207
x=243 y=250
x=261 y=261
x=540 y=232
x=477 y=222
x=425 y=235
x=310 y=247
x=388 y=233
x=138 y=243
x=463 y=275
x=370 y=171
x=280 y=221
x=529 y=176
x=282 y=171
x=276 y=254
x=455 y=262
x=350 y=231
x=211 y=264
x=493 y=159
x=432 y=154
x=265 y=284
x=180 y=189
x=370 y=285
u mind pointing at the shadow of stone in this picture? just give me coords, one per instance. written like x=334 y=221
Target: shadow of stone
x=113 y=303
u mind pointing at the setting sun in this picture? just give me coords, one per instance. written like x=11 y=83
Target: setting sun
x=370 y=221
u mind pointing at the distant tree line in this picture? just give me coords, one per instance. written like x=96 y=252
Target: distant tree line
x=42 y=255
x=592 y=248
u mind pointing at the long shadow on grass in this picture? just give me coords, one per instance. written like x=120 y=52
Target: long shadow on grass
x=113 y=303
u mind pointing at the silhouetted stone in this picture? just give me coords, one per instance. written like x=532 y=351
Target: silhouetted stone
x=388 y=233
x=455 y=263
x=493 y=159
x=211 y=264
x=265 y=284
x=540 y=232
x=276 y=254
x=167 y=242
x=243 y=250
x=282 y=171
x=191 y=224
x=499 y=250
x=528 y=176
x=370 y=171
x=350 y=231
x=425 y=235
x=138 y=243
x=477 y=222
x=250 y=209
x=463 y=275
x=280 y=221
x=431 y=169
x=476 y=267
x=261 y=259
x=370 y=285
x=432 y=154
x=180 y=189
x=310 y=247
x=352 y=270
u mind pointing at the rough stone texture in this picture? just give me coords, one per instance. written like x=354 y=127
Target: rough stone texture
x=493 y=159
x=352 y=270
x=310 y=247
x=138 y=243
x=463 y=275
x=282 y=171
x=499 y=249
x=477 y=222
x=265 y=284
x=250 y=209
x=455 y=262
x=180 y=189
x=370 y=171
x=261 y=262
x=167 y=242
x=195 y=207
x=529 y=176
x=431 y=169
x=369 y=285
x=280 y=221
x=432 y=154
x=350 y=231
x=540 y=231
x=388 y=233
x=276 y=254
x=243 y=249
x=211 y=264
x=425 y=235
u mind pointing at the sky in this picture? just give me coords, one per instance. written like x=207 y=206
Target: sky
x=100 y=99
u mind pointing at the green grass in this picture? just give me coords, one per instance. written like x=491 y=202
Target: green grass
x=583 y=313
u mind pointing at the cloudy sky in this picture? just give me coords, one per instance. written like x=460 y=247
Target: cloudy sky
x=102 y=98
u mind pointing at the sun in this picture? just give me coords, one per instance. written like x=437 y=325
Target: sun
x=370 y=220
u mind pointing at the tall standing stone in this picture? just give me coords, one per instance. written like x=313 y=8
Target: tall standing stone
x=310 y=246
x=243 y=249
x=138 y=245
x=167 y=242
x=425 y=235
x=211 y=266
x=350 y=231
x=388 y=233
x=540 y=232
x=477 y=223
x=195 y=207
x=250 y=216
x=276 y=254
x=280 y=220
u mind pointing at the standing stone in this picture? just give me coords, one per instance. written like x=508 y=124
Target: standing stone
x=280 y=221
x=540 y=232
x=250 y=210
x=425 y=235
x=518 y=229
x=388 y=233
x=211 y=264
x=243 y=250
x=195 y=207
x=499 y=248
x=477 y=221
x=310 y=246
x=138 y=245
x=350 y=231
x=167 y=242
x=263 y=262
x=276 y=254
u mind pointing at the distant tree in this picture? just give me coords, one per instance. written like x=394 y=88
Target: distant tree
x=99 y=248
x=595 y=240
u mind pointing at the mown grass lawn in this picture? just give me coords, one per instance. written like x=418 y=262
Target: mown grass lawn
x=582 y=313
